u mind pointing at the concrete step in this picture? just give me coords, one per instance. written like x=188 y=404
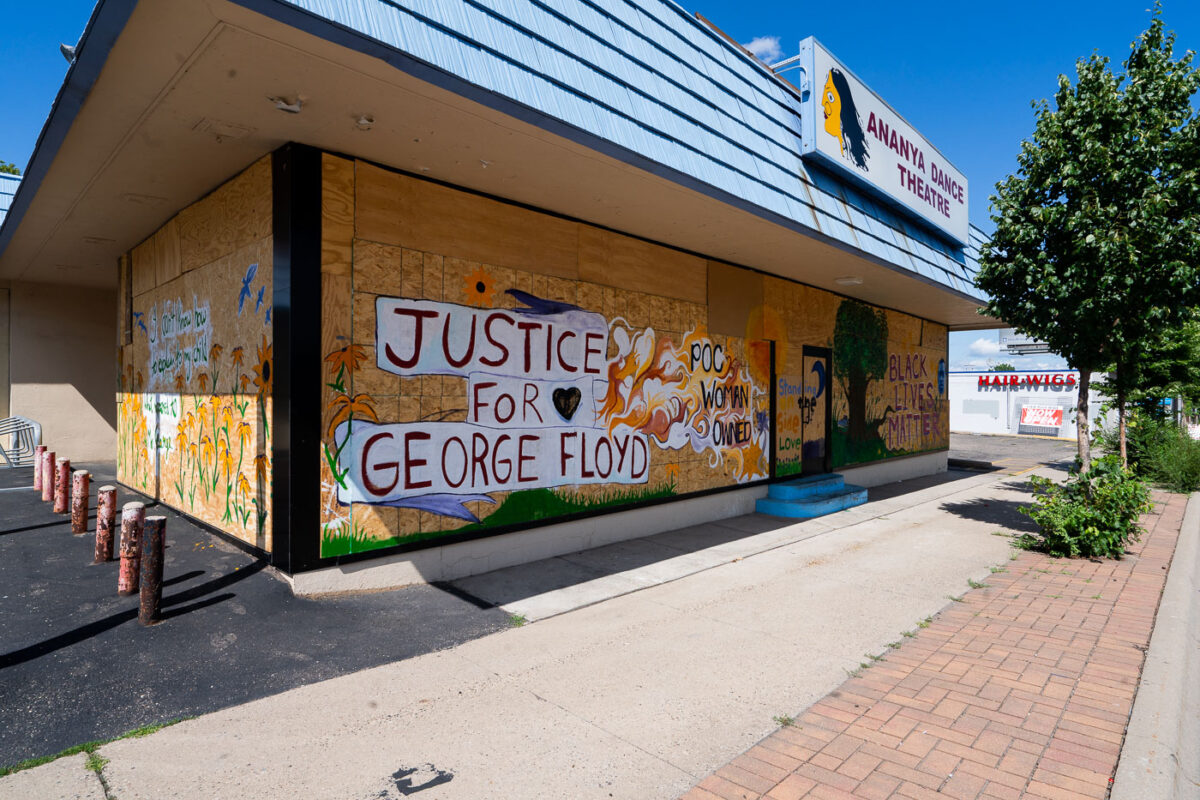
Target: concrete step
x=816 y=505
x=807 y=486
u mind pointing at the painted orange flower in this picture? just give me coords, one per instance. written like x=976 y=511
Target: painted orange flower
x=181 y=441
x=243 y=485
x=262 y=370
x=478 y=287
x=202 y=379
x=192 y=450
x=224 y=458
x=179 y=382
x=261 y=467
x=359 y=405
x=673 y=470
x=243 y=432
x=138 y=383
x=239 y=355
x=226 y=415
x=245 y=381
x=207 y=451
x=214 y=352
x=348 y=358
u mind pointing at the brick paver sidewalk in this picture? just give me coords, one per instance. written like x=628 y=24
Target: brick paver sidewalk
x=1023 y=689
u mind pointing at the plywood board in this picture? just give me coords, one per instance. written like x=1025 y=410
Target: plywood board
x=337 y=214
x=143 y=263
x=612 y=259
x=734 y=293
x=396 y=209
x=167 y=259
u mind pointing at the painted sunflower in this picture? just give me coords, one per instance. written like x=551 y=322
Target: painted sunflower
x=478 y=288
x=239 y=355
x=349 y=358
x=262 y=370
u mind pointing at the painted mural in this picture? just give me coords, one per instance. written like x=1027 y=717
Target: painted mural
x=488 y=366
x=565 y=410
x=194 y=407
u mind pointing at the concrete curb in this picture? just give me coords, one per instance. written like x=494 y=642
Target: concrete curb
x=1160 y=759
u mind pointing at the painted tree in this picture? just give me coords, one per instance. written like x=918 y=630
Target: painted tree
x=1097 y=236
x=8 y=168
x=859 y=356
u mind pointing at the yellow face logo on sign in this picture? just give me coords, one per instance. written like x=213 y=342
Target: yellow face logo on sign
x=841 y=119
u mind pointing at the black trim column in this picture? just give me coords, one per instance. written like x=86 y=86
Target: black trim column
x=296 y=332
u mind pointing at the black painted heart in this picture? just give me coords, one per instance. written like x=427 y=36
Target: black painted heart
x=566 y=401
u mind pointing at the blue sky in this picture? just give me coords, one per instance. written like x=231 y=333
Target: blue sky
x=963 y=74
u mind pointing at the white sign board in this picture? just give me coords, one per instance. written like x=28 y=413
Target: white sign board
x=850 y=128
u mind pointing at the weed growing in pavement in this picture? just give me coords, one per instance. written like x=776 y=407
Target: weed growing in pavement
x=517 y=620
x=873 y=658
x=1097 y=597
x=854 y=673
x=1014 y=555
x=1056 y=597
x=96 y=762
x=894 y=645
x=925 y=623
x=954 y=599
x=90 y=748
x=998 y=569
x=784 y=721
x=909 y=634
x=974 y=584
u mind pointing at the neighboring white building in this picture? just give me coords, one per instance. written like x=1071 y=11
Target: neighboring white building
x=1035 y=402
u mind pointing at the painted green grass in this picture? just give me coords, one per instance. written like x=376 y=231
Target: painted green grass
x=528 y=505
x=94 y=762
x=785 y=468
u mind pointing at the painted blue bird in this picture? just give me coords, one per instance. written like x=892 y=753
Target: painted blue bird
x=244 y=294
x=258 y=305
x=137 y=317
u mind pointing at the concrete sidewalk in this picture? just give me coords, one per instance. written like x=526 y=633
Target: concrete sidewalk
x=640 y=696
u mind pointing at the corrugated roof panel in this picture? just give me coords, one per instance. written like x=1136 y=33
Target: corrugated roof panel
x=645 y=75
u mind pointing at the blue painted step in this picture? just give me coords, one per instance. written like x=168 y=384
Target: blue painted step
x=813 y=496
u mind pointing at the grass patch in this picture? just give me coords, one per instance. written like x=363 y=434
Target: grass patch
x=954 y=599
x=998 y=569
x=95 y=762
x=974 y=584
x=925 y=623
x=909 y=634
x=894 y=645
x=517 y=620
x=784 y=721
x=528 y=505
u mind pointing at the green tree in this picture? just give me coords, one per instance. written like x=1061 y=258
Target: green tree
x=1166 y=368
x=8 y=168
x=1097 y=236
x=859 y=356
x=1004 y=366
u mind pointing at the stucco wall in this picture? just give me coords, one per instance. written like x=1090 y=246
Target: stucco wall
x=61 y=366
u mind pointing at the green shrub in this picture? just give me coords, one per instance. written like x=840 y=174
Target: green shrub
x=1159 y=451
x=1093 y=514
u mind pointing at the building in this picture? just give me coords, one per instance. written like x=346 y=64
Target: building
x=405 y=291
x=1040 y=403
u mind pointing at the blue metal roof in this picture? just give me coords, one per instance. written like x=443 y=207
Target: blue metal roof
x=650 y=79
x=8 y=188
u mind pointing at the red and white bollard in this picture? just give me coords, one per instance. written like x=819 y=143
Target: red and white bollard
x=133 y=518
x=62 y=487
x=37 y=467
x=106 y=519
x=154 y=542
x=47 y=475
x=80 y=493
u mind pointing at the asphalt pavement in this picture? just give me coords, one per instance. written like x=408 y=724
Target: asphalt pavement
x=76 y=666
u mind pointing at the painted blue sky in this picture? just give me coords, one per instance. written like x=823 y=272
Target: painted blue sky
x=962 y=74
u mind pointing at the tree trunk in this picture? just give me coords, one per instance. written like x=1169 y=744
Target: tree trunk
x=1121 y=430
x=1081 y=420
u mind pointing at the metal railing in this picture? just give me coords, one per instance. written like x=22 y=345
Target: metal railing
x=18 y=438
